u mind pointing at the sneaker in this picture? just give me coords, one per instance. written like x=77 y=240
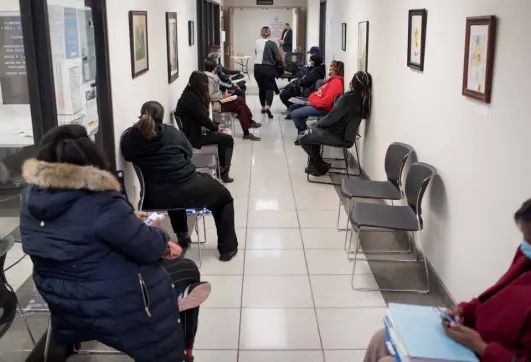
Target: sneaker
x=255 y=124
x=251 y=137
x=194 y=295
x=228 y=256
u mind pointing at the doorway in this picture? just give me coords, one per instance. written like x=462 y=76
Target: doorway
x=208 y=28
x=322 y=28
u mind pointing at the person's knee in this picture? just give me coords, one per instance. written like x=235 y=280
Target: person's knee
x=226 y=140
x=192 y=266
x=378 y=339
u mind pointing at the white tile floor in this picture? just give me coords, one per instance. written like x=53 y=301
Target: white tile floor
x=286 y=296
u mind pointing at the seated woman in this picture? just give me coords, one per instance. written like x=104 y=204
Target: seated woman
x=304 y=86
x=192 y=109
x=99 y=267
x=497 y=324
x=220 y=103
x=320 y=102
x=165 y=157
x=353 y=106
x=225 y=82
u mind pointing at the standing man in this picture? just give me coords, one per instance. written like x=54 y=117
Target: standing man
x=287 y=39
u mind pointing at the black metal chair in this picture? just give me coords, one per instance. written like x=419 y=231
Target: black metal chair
x=400 y=218
x=349 y=141
x=8 y=297
x=391 y=189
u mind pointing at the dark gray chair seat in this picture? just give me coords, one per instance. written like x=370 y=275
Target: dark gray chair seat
x=204 y=160
x=368 y=189
x=384 y=216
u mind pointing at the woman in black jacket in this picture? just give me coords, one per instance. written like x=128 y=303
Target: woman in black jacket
x=192 y=109
x=165 y=157
x=353 y=106
x=304 y=86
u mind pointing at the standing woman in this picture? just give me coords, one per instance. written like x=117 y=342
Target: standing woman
x=265 y=69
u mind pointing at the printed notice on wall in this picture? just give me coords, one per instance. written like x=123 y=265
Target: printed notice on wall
x=74 y=79
x=277 y=27
x=13 y=78
x=71 y=33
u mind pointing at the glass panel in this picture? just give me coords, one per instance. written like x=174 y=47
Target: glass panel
x=74 y=62
x=16 y=145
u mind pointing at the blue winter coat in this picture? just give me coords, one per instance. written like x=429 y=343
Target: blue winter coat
x=96 y=264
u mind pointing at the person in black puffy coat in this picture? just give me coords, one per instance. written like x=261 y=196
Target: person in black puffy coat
x=97 y=265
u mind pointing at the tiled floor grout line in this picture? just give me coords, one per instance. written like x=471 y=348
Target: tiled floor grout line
x=245 y=249
x=303 y=248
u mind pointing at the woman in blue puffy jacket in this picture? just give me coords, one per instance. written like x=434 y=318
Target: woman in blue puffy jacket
x=98 y=266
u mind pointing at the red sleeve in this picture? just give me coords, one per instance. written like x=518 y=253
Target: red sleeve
x=469 y=312
x=495 y=352
x=335 y=88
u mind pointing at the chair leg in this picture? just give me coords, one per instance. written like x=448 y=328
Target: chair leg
x=357 y=159
x=48 y=338
x=196 y=227
x=21 y=311
x=378 y=289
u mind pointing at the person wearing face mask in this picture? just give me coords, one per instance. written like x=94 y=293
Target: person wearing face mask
x=353 y=106
x=230 y=73
x=497 y=324
x=321 y=101
x=225 y=82
x=304 y=86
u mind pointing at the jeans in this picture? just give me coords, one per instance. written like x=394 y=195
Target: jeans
x=301 y=114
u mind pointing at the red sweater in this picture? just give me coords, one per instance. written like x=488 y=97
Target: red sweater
x=325 y=96
x=502 y=314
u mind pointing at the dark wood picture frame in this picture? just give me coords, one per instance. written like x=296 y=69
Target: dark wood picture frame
x=137 y=72
x=366 y=65
x=490 y=22
x=191 y=32
x=424 y=22
x=169 y=18
x=344 y=37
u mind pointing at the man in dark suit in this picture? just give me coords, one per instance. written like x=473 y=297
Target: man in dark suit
x=287 y=39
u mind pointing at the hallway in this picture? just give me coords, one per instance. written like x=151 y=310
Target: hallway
x=286 y=296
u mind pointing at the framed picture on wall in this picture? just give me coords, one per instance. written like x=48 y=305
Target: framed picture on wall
x=344 y=36
x=138 y=38
x=416 y=38
x=172 y=46
x=480 y=40
x=363 y=46
x=191 y=33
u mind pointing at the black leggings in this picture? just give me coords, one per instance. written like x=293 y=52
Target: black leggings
x=201 y=191
x=265 y=78
x=184 y=272
x=225 y=144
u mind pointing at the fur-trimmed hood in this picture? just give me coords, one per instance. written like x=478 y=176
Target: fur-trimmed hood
x=65 y=176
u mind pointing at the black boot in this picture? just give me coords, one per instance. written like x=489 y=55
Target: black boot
x=224 y=168
x=184 y=241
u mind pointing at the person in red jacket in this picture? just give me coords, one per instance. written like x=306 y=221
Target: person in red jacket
x=321 y=101
x=497 y=324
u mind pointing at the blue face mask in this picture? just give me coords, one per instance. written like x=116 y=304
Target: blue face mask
x=526 y=249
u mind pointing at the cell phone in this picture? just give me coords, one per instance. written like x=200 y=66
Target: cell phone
x=153 y=217
x=446 y=317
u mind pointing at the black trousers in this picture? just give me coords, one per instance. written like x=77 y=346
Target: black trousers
x=312 y=140
x=203 y=191
x=288 y=93
x=225 y=144
x=184 y=272
x=265 y=78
